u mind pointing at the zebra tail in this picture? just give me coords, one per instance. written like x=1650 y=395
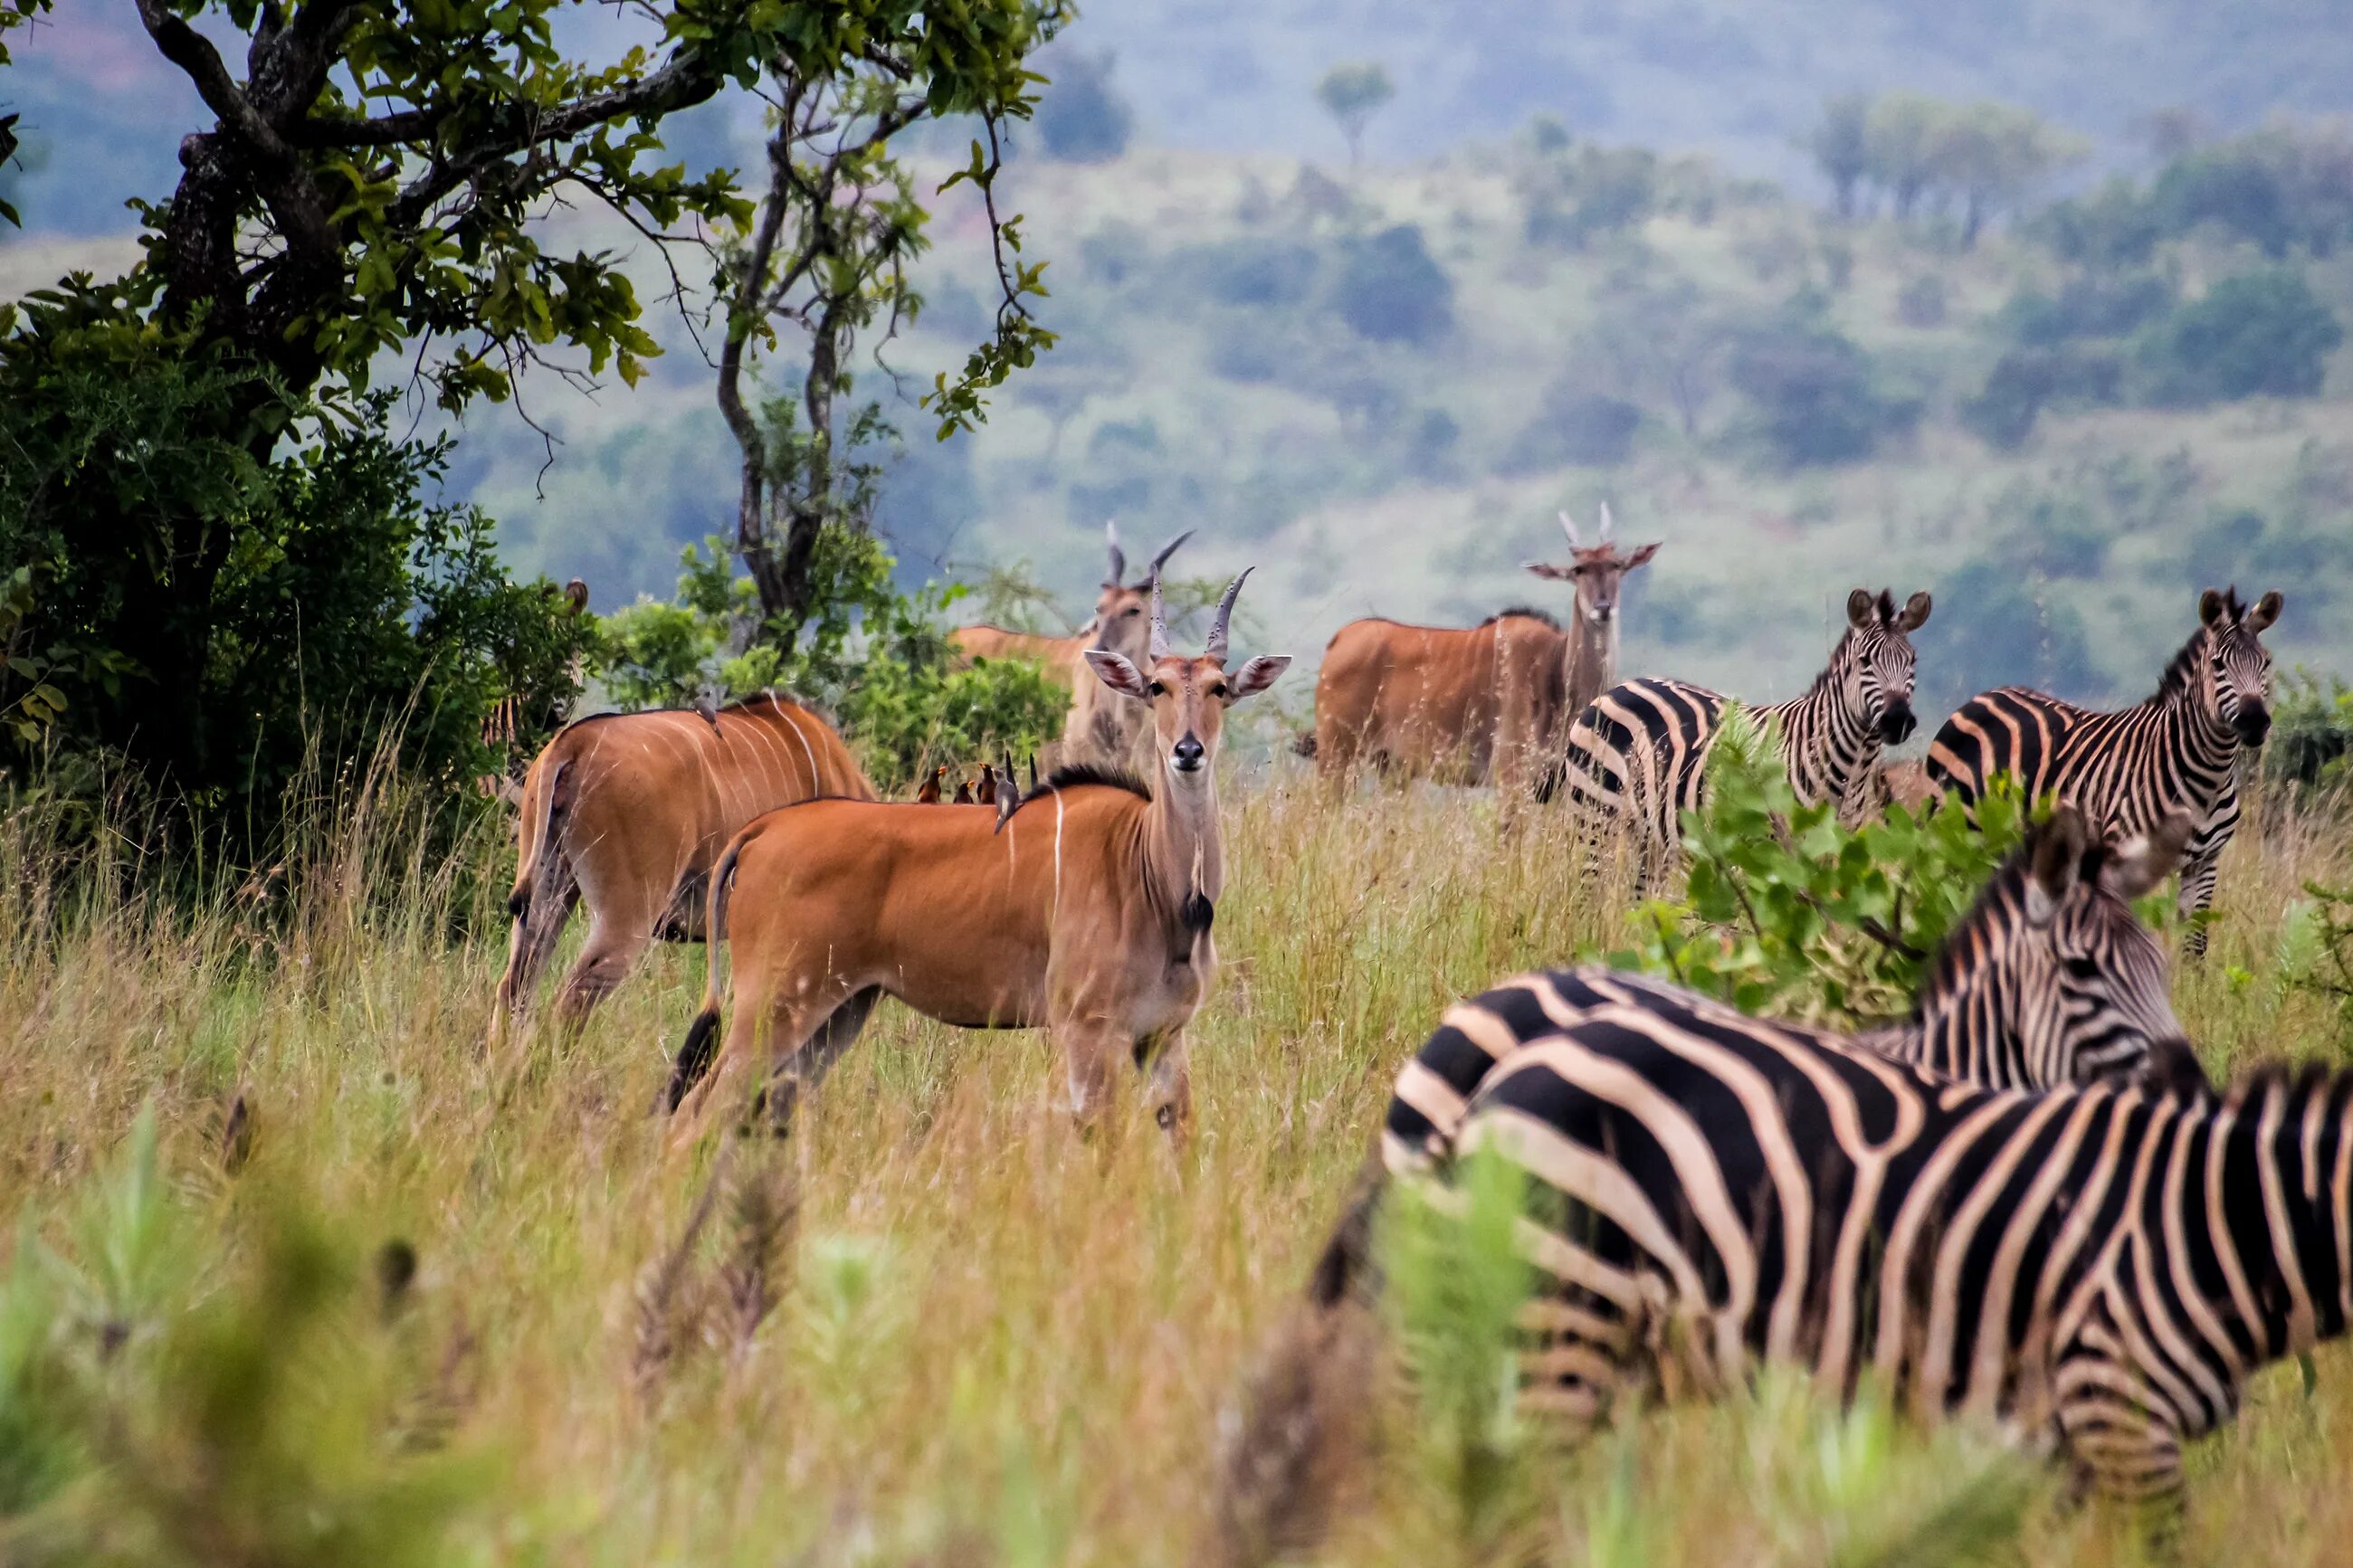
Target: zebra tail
x=1295 y=1446
x=700 y=1045
x=542 y=811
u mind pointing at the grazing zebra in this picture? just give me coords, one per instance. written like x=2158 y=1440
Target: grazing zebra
x=1641 y=748
x=2178 y=750
x=2098 y=1266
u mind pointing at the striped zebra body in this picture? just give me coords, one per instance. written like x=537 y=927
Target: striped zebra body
x=2178 y=752
x=1638 y=756
x=2099 y=1266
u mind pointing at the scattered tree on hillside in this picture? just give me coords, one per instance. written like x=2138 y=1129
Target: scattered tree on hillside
x=2260 y=335
x=1986 y=156
x=1352 y=94
x=826 y=256
x=1082 y=118
x=1841 y=144
x=1390 y=289
x=1660 y=339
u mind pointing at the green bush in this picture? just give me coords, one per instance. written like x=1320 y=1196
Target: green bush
x=1787 y=913
x=2096 y=305
x=1389 y=288
x=1815 y=392
x=230 y=599
x=2311 y=744
x=875 y=659
x=2264 y=334
x=2024 y=381
x=1081 y=118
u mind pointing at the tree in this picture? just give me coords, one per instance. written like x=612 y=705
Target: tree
x=1352 y=94
x=2264 y=334
x=1992 y=154
x=371 y=190
x=1899 y=135
x=1390 y=289
x=1082 y=118
x=1840 y=145
x=827 y=254
x=1657 y=339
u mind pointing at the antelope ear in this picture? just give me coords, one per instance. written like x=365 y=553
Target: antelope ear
x=1122 y=676
x=2054 y=864
x=2266 y=611
x=1545 y=569
x=1642 y=553
x=2140 y=863
x=1859 y=606
x=1256 y=676
x=1916 y=614
x=2210 y=606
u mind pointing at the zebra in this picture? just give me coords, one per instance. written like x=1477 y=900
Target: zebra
x=2178 y=750
x=1643 y=747
x=2096 y=1267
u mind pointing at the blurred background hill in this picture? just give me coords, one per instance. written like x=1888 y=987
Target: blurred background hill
x=2071 y=350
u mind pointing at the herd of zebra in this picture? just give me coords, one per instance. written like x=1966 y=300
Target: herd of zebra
x=2026 y=1203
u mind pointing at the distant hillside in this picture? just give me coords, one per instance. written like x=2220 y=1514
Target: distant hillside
x=1381 y=393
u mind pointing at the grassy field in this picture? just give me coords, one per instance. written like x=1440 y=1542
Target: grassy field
x=414 y=1304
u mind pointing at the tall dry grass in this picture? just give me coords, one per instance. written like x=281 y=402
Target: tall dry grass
x=412 y=1297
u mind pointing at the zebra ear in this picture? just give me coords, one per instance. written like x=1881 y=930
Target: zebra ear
x=2210 y=606
x=2266 y=611
x=1859 y=606
x=1916 y=614
x=2140 y=863
x=2054 y=865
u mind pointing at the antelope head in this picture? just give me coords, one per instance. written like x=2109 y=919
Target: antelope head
x=1598 y=570
x=1121 y=609
x=1188 y=696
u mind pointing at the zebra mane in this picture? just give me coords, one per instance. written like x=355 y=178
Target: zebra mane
x=1821 y=682
x=2181 y=674
x=2299 y=1081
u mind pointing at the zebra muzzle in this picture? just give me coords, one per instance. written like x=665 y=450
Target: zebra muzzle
x=1897 y=724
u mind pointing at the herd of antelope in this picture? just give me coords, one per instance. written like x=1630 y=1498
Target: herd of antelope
x=2027 y=1203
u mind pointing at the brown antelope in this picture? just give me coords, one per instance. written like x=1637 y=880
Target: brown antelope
x=627 y=812
x=1084 y=911
x=1489 y=702
x=1099 y=729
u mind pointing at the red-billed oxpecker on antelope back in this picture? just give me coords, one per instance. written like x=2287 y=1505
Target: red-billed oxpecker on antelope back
x=627 y=812
x=1100 y=730
x=1489 y=702
x=1085 y=910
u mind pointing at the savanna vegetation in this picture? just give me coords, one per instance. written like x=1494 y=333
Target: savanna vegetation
x=299 y=1274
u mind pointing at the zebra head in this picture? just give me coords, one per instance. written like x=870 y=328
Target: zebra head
x=1598 y=570
x=2090 y=990
x=2236 y=684
x=1878 y=659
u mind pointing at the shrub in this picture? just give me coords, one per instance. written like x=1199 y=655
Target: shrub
x=1787 y=914
x=1574 y=426
x=876 y=659
x=1252 y=272
x=1081 y=118
x=1921 y=303
x=2113 y=227
x=1814 y=393
x=1389 y=288
x=228 y=607
x=2262 y=333
x=2311 y=744
x=2024 y=381
x=2094 y=306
